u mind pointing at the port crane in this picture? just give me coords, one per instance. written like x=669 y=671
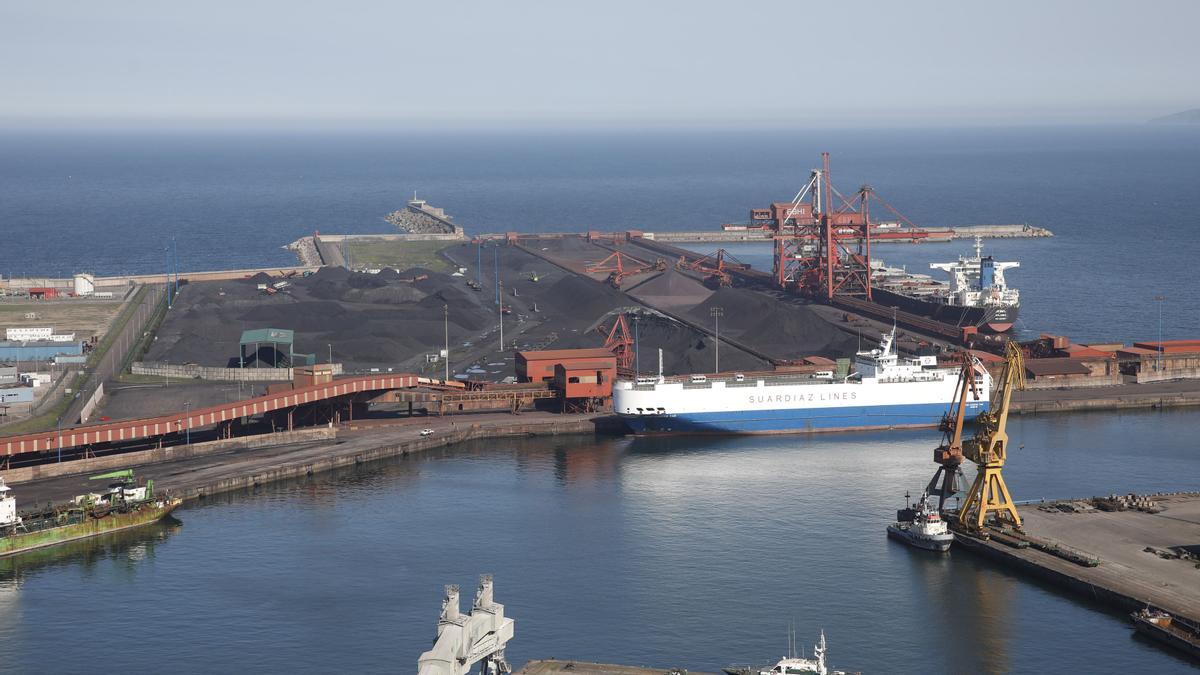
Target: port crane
x=715 y=267
x=987 y=449
x=619 y=341
x=619 y=266
x=948 y=480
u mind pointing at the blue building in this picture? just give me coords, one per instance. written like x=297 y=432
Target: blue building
x=38 y=351
x=16 y=395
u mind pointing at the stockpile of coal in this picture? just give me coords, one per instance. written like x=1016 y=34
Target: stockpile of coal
x=371 y=320
x=581 y=298
x=780 y=329
x=671 y=290
x=684 y=349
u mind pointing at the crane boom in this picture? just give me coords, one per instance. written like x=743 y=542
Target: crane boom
x=988 y=449
x=948 y=481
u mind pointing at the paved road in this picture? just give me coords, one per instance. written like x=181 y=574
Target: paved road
x=1143 y=391
x=183 y=474
x=111 y=364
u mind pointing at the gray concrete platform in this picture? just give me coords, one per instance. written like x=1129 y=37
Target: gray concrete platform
x=582 y=668
x=1128 y=577
x=1119 y=539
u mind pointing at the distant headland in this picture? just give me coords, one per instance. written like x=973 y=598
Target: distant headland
x=1186 y=117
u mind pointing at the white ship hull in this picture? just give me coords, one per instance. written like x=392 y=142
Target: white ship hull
x=936 y=542
x=780 y=405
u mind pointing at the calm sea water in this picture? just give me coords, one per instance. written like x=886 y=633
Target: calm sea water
x=1123 y=200
x=695 y=553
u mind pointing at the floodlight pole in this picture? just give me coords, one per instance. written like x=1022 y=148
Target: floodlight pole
x=716 y=313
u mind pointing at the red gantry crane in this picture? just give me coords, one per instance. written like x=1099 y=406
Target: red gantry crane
x=823 y=239
x=619 y=266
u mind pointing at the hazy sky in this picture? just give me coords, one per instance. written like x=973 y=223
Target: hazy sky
x=611 y=62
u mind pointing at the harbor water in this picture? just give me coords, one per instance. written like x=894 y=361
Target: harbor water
x=690 y=552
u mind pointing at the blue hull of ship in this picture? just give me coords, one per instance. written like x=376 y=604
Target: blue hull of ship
x=796 y=420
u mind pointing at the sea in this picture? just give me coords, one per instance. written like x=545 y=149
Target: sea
x=692 y=552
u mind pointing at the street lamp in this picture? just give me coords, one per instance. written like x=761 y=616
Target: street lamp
x=637 y=352
x=446 y=328
x=187 y=407
x=500 y=294
x=1159 y=299
x=716 y=313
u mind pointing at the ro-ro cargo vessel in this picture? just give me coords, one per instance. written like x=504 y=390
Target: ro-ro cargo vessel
x=882 y=391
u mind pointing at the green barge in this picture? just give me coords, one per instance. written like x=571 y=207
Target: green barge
x=125 y=505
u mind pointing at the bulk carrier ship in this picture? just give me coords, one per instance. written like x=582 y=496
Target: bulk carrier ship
x=977 y=295
x=882 y=392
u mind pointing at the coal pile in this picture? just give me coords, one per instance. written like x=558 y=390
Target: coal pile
x=671 y=290
x=779 y=329
x=371 y=320
x=684 y=349
x=583 y=297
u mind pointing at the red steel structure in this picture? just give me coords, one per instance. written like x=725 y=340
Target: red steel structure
x=620 y=343
x=715 y=266
x=619 y=266
x=823 y=248
x=200 y=418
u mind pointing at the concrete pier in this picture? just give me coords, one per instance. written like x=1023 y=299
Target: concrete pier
x=198 y=471
x=1175 y=394
x=1138 y=552
x=548 y=667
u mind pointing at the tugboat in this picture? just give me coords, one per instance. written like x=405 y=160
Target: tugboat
x=921 y=525
x=792 y=665
x=126 y=504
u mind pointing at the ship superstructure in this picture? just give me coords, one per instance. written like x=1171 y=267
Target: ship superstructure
x=977 y=293
x=881 y=390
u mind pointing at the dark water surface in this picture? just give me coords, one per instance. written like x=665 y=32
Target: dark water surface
x=691 y=552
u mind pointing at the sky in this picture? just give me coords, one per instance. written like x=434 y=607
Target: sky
x=524 y=63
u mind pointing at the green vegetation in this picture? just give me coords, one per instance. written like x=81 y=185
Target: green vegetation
x=400 y=255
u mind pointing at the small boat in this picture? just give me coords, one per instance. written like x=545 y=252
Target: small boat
x=1171 y=631
x=792 y=665
x=921 y=525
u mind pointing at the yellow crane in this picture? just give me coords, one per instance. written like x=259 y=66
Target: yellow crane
x=988 y=449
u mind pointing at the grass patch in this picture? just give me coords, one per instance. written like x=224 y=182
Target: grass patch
x=82 y=317
x=400 y=255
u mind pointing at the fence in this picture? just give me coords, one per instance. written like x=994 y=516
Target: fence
x=186 y=372
x=90 y=407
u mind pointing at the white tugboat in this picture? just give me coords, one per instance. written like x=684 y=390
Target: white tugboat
x=793 y=665
x=922 y=526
